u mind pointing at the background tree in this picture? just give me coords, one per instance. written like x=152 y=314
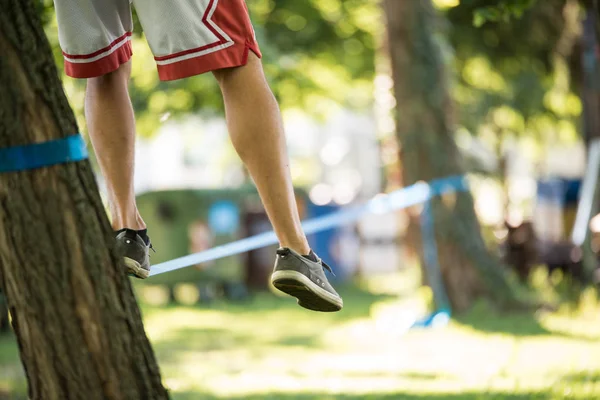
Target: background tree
x=552 y=73
x=425 y=130
x=516 y=85
x=78 y=326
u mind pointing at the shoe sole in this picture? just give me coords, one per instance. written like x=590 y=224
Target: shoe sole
x=135 y=269
x=308 y=293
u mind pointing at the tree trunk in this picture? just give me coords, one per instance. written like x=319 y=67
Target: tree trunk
x=590 y=77
x=77 y=323
x=428 y=151
x=590 y=96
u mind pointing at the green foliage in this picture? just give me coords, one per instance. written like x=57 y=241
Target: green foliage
x=317 y=54
x=508 y=81
x=501 y=10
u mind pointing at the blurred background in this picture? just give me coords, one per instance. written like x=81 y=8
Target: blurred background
x=522 y=83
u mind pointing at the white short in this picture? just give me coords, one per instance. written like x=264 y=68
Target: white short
x=187 y=37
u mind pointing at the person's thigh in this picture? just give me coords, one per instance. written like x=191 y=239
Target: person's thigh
x=191 y=37
x=94 y=35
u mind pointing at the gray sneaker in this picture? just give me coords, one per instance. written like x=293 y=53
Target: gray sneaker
x=135 y=252
x=305 y=279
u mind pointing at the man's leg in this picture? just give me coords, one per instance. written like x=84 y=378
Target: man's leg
x=111 y=127
x=96 y=46
x=256 y=131
x=257 y=134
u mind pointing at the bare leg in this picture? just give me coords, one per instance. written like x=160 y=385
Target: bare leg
x=111 y=126
x=256 y=131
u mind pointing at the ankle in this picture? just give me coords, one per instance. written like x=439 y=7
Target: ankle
x=134 y=222
x=117 y=226
x=300 y=247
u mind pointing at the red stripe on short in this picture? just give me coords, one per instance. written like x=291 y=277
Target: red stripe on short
x=208 y=25
x=186 y=52
x=221 y=40
x=102 y=66
x=234 y=56
x=105 y=49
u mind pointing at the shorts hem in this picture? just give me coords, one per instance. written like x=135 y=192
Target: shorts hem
x=234 y=56
x=102 y=66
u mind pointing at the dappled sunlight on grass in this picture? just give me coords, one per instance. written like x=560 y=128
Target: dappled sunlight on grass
x=269 y=348
x=273 y=349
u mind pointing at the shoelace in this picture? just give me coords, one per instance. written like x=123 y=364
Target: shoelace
x=285 y=252
x=327 y=267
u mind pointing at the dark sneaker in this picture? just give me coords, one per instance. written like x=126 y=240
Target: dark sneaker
x=305 y=279
x=135 y=251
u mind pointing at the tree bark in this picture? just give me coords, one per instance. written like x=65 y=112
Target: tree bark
x=428 y=151
x=78 y=327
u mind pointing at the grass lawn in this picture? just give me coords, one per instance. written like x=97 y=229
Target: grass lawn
x=269 y=348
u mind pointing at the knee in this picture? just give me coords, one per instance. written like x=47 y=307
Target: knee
x=224 y=75
x=116 y=78
x=228 y=77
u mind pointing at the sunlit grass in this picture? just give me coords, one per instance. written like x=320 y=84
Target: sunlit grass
x=269 y=348
x=443 y=4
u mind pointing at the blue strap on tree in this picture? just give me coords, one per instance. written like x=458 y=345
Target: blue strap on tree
x=45 y=154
